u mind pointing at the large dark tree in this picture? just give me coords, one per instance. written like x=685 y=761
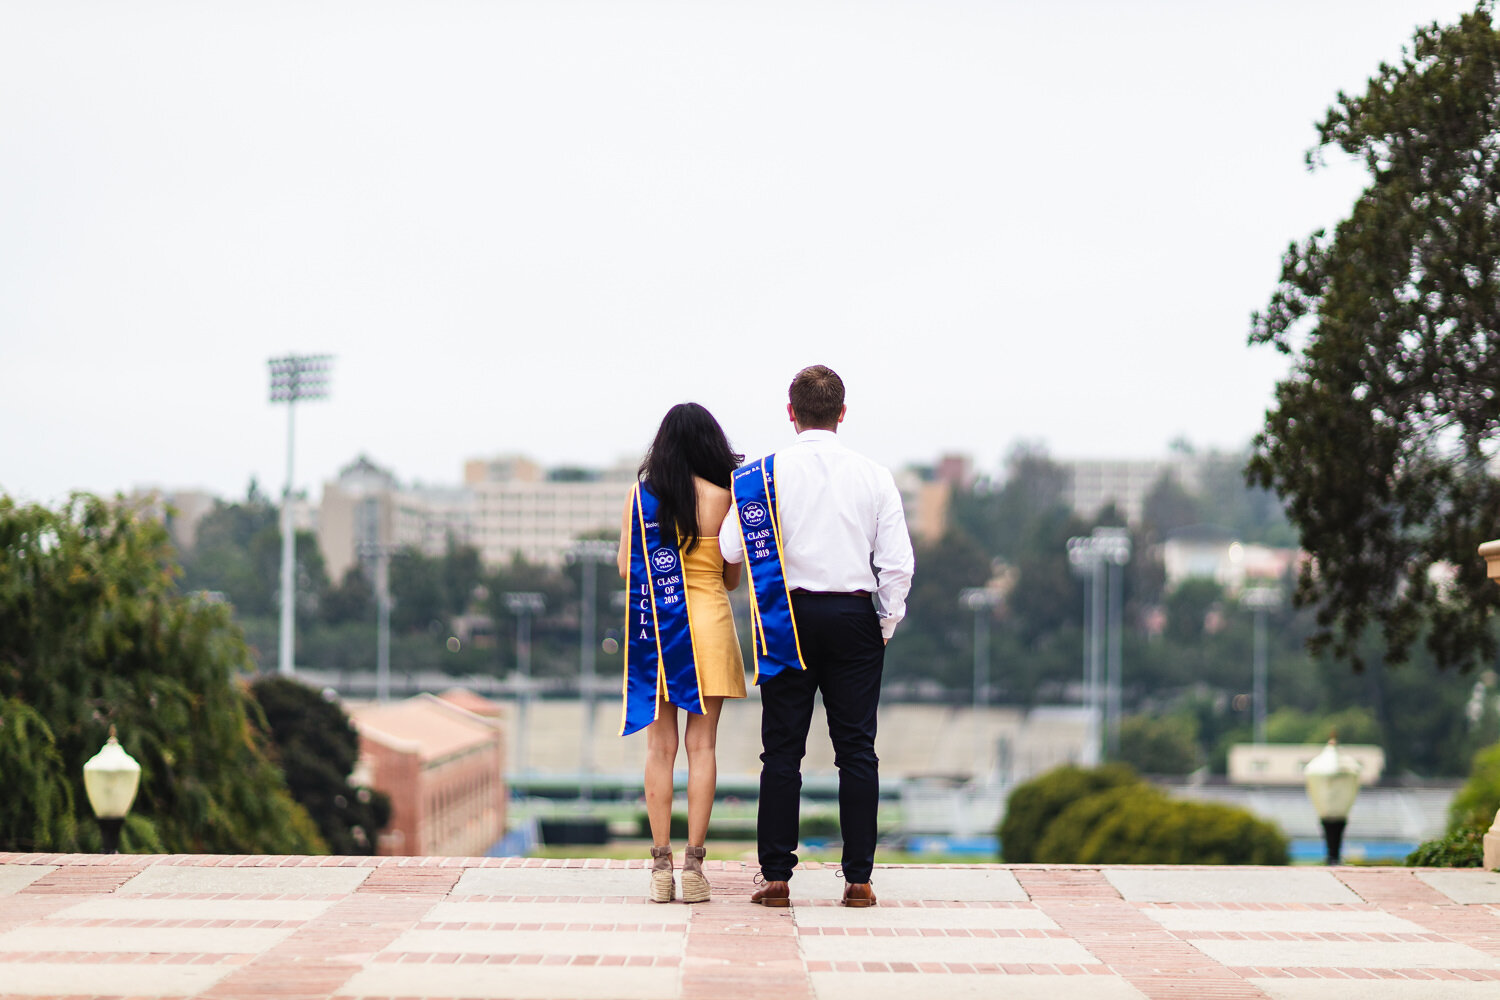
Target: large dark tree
x=1382 y=437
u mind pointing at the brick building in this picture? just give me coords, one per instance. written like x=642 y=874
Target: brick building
x=443 y=766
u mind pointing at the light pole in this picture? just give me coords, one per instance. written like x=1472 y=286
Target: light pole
x=523 y=604
x=110 y=778
x=980 y=600
x=1098 y=556
x=293 y=379
x=589 y=553
x=381 y=554
x=1260 y=600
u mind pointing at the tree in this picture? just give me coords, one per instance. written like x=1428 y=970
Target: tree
x=94 y=631
x=1381 y=438
x=317 y=747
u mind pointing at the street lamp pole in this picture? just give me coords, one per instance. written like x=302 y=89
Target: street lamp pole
x=293 y=379
x=590 y=553
x=980 y=600
x=523 y=604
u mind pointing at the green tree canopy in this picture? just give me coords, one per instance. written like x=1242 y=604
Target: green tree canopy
x=93 y=631
x=1381 y=438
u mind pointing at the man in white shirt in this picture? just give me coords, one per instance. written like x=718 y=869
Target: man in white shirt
x=847 y=561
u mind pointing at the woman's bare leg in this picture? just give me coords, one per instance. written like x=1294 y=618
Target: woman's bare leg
x=703 y=768
x=661 y=757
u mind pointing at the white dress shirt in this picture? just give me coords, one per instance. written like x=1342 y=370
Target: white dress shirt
x=842 y=525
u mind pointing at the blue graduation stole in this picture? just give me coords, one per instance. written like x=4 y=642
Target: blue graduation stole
x=773 y=628
x=660 y=661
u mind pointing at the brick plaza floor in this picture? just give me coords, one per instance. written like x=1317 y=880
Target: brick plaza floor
x=266 y=927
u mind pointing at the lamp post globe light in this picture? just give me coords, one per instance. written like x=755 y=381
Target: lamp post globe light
x=1332 y=784
x=111 y=778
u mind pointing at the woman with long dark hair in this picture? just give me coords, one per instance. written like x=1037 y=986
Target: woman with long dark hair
x=681 y=649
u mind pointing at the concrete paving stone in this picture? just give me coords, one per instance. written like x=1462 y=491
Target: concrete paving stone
x=42 y=936
x=248 y=881
x=1306 y=954
x=586 y=882
x=1472 y=885
x=108 y=979
x=965 y=885
x=514 y=982
x=556 y=942
x=1219 y=885
x=967 y=986
x=136 y=908
x=14 y=878
x=1374 y=989
x=1027 y=951
x=566 y=913
x=1294 y=921
x=941 y=917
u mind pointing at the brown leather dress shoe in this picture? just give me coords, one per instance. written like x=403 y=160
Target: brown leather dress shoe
x=773 y=894
x=859 y=894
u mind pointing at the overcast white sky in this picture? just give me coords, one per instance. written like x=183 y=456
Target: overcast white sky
x=533 y=226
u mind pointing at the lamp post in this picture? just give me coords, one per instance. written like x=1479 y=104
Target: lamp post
x=523 y=604
x=1260 y=600
x=1100 y=556
x=1332 y=783
x=589 y=553
x=111 y=778
x=293 y=379
x=980 y=600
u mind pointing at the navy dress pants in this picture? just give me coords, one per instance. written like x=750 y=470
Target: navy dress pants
x=842 y=648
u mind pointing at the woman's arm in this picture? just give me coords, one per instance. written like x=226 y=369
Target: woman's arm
x=731 y=575
x=622 y=555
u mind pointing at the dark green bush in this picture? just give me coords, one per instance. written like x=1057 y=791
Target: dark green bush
x=1156 y=745
x=1141 y=825
x=1461 y=847
x=730 y=829
x=819 y=826
x=1033 y=806
x=1479 y=798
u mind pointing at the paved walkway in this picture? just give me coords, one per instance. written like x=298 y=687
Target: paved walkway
x=254 y=927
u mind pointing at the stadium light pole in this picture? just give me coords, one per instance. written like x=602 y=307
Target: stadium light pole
x=589 y=553
x=1098 y=557
x=294 y=378
x=1260 y=600
x=980 y=600
x=381 y=554
x=523 y=604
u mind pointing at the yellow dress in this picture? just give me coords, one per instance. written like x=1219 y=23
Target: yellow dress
x=716 y=643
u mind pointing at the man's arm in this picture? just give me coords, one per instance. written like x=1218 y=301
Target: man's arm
x=731 y=542
x=892 y=558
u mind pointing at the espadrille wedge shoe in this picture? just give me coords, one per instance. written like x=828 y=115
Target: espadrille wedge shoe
x=663 y=888
x=695 y=887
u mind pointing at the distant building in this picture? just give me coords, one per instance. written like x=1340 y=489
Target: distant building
x=1205 y=552
x=1096 y=483
x=180 y=510
x=521 y=510
x=443 y=766
x=366 y=504
x=927 y=494
x=1282 y=763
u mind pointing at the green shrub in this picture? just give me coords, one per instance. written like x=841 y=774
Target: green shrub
x=1462 y=847
x=1140 y=825
x=1154 y=745
x=1479 y=798
x=819 y=826
x=728 y=829
x=1033 y=806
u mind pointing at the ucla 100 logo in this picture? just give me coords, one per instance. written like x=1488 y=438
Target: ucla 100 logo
x=753 y=514
x=664 y=560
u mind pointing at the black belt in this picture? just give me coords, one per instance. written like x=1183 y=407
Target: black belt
x=829 y=593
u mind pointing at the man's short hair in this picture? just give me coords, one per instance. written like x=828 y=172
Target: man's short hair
x=817 y=397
